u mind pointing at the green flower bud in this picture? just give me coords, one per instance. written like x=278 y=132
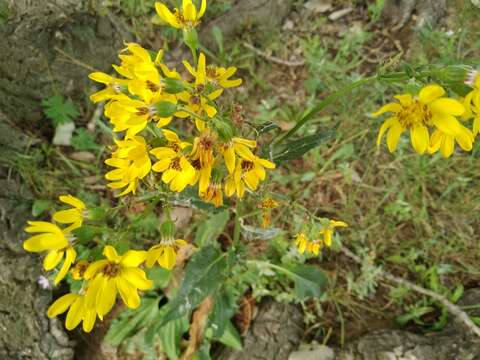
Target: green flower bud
x=96 y=214
x=225 y=129
x=167 y=229
x=190 y=38
x=165 y=109
x=173 y=86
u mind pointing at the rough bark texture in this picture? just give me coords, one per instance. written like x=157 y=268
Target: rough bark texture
x=25 y=331
x=399 y=12
x=32 y=65
x=275 y=332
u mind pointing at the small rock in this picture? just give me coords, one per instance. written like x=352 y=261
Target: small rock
x=288 y=25
x=321 y=352
x=318 y=6
x=339 y=14
x=63 y=134
x=85 y=156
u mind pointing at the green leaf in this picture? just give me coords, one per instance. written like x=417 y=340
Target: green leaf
x=160 y=276
x=211 y=229
x=84 y=140
x=298 y=148
x=218 y=37
x=309 y=281
x=165 y=108
x=39 y=206
x=223 y=311
x=231 y=337
x=414 y=314
x=131 y=321
x=59 y=110
x=457 y=294
x=170 y=335
x=204 y=274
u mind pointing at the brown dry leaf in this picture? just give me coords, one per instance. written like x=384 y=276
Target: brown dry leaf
x=197 y=327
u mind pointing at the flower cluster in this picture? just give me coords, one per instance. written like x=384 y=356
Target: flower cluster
x=214 y=159
x=321 y=235
x=102 y=279
x=430 y=111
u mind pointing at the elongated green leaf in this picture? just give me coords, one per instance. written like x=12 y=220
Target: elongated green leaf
x=130 y=321
x=204 y=274
x=223 y=311
x=231 y=337
x=211 y=229
x=298 y=148
x=309 y=281
x=170 y=335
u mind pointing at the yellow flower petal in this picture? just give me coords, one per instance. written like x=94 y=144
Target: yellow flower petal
x=61 y=305
x=111 y=254
x=128 y=293
x=391 y=107
x=133 y=258
x=420 y=138
x=137 y=278
x=75 y=314
x=105 y=302
x=67 y=216
x=430 y=93
x=70 y=257
x=52 y=259
x=393 y=136
x=89 y=320
x=72 y=200
x=385 y=126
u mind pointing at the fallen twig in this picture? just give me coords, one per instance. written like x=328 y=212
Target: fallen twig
x=452 y=308
x=271 y=58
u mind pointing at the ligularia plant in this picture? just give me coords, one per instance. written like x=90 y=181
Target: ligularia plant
x=177 y=141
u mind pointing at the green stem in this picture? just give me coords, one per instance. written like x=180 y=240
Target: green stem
x=236 y=229
x=323 y=104
x=191 y=113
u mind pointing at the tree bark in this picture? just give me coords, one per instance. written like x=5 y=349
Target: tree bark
x=25 y=330
x=48 y=48
x=274 y=333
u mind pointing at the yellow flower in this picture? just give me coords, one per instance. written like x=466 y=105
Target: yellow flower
x=115 y=274
x=202 y=159
x=328 y=229
x=267 y=205
x=133 y=115
x=177 y=171
x=187 y=18
x=165 y=253
x=72 y=216
x=304 y=244
x=78 y=270
x=417 y=114
x=114 y=86
x=77 y=311
x=138 y=63
x=301 y=241
x=213 y=194
x=53 y=240
x=132 y=163
x=216 y=76
x=239 y=146
x=198 y=99
x=247 y=173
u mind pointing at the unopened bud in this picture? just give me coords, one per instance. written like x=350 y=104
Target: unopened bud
x=167 y=229
x=173 y=86
x=165 y=109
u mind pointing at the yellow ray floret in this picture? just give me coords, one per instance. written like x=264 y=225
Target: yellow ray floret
x=73 y=216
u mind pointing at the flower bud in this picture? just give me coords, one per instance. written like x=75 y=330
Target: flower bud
x=173 y=86
x=190 y=38
x=165 y=108
x=167 y=229
x=225 y=129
